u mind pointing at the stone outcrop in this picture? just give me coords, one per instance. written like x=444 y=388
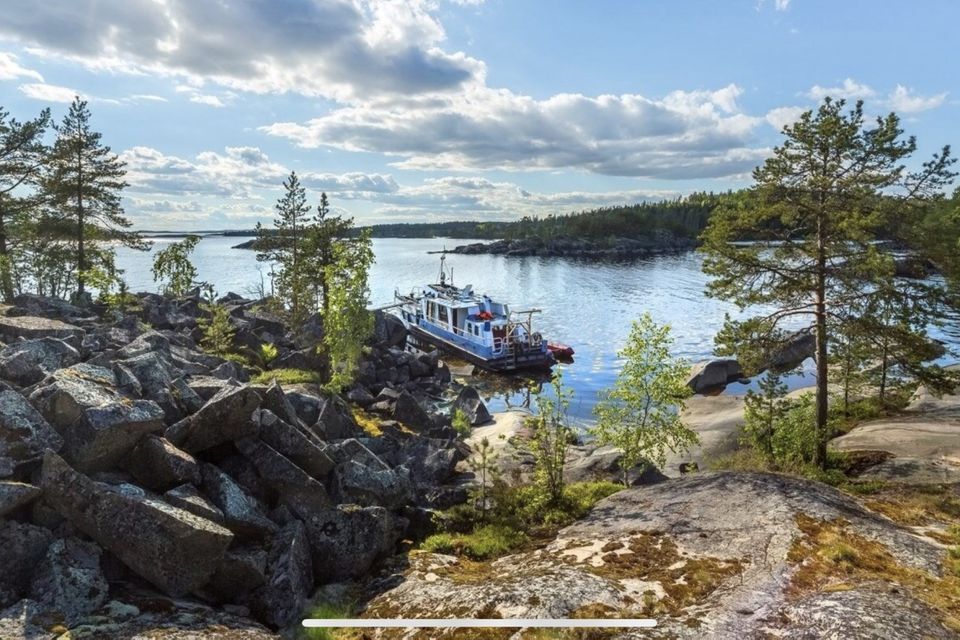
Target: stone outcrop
x=34 y=327
x=714 y=555
x=68 y=581
x=99 y=426
x=24 y=433
x=30 y=361
x=469 y=402
x=226 y=417
x=172 y=548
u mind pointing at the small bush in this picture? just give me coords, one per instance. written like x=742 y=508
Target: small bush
x=287 y=376
x=517 y=514
x=329 y=611
x=488 y=541
x=460 y=423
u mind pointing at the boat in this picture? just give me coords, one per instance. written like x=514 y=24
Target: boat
x=560 y=351
x=471 y=326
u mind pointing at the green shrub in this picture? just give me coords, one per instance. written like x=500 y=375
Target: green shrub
x=328 y=611
x=517 y=514
x=286 y=376
x=488 y=541
x=460 y=423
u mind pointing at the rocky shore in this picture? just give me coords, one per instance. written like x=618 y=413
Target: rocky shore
x=147 y=487
x=608 y=248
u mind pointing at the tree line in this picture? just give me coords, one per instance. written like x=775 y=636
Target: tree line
x=60 y=206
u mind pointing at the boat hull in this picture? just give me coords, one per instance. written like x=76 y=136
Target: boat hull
x=531 y=359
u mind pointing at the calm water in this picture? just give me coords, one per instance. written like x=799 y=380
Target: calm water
x=587 y=305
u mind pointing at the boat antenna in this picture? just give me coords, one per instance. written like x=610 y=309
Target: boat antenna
x=443 y=276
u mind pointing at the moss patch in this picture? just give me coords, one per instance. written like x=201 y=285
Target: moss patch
x=654 y=557
x=287 y=376
x=830 y=556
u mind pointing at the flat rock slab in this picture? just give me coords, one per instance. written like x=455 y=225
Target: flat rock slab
x=914 y=471
x=171 y=548
x=710 y=553
x=908 y=437
x=29 y=327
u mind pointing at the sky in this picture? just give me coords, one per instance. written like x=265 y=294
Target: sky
x=429 y=110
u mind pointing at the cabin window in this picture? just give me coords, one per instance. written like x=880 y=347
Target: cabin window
x=431 y=310
x=443 y=313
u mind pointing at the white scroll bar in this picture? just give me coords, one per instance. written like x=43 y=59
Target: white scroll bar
x=471 y=623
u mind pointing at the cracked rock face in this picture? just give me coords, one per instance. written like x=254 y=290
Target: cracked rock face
x=709 y=555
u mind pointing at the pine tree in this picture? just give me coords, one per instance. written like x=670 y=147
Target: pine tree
x=322 y=237
x=762 y=411
x=286 y=248
x=348 y=323
x=22 y=152
x=83 y=181
x=819 y=204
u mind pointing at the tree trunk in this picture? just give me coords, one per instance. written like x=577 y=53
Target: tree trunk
x=6 y=281
x=883 y=376
x=81 y=253
x=820 y=312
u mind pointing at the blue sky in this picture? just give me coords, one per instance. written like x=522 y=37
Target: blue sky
x=469 y=109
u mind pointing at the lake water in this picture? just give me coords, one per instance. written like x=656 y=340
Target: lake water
x=588 y=305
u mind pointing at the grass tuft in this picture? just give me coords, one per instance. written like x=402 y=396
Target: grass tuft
x=287 y=376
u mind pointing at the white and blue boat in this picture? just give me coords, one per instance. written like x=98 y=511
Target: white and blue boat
x=462 y=323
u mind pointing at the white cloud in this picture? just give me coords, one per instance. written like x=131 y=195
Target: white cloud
x=48 y=92
x=341 y=49
x=210 y=101
x=146 y=97
x=904 y=100
x=779 y=5
x=238 y=172
x=10 y=69
x=848 y=90
x=682 y=135
x=782 y=116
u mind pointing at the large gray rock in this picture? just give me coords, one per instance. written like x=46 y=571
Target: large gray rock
x=98 y=425
x=281 y=599
x=346 y=541
x=389 y=329
x=408 y=411
x=299 y=445
x=300 y=492
x=207 y=386
x=161 y=383
x=31 y=327
x=226 y=417
x=24 y=433
x=713 y=375
x=24 y=363
x=36 y=305
x=14 y=495
x=169 y=547
x=795 y=348
x=243 y=569
x=469 y=402
x=363 y=478
x=430 y=461
x=188 y=498
x=158 y=465
x=241 y=511
x=68 y=581
x=22 y=546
